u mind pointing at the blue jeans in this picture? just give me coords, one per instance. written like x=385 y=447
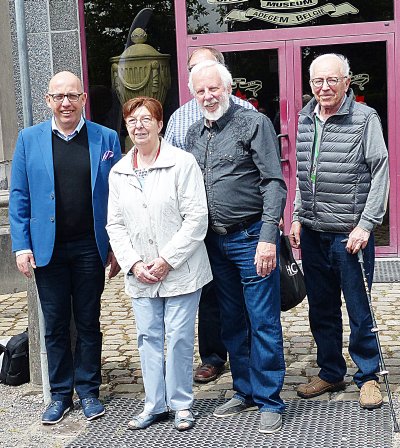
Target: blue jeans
x=171 y=320
x=250 y=317
x=72 y=281
x=330 y=269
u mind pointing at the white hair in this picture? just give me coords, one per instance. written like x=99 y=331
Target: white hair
x=224 y=73
x=345 y=70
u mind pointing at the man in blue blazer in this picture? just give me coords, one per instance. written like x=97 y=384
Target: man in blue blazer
x=58 y=212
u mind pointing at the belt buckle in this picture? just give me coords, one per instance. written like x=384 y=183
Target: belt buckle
x=219 y=230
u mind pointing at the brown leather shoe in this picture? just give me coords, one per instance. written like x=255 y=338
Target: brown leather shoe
x=207 y=372
x=317 y=386
x=370 y=395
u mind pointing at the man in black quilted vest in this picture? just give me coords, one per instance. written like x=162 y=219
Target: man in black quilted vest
x=343 y=182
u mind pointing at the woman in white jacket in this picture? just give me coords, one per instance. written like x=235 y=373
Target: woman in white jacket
x=157 y=221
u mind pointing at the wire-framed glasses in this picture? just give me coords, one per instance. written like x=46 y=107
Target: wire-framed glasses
x=146 y=121
x=331 y=81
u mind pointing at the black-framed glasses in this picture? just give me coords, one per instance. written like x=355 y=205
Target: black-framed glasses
x=59 y=97
x=331 y=81
x=131 y=122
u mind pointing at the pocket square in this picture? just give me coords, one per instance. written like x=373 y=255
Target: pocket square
x=107 y=155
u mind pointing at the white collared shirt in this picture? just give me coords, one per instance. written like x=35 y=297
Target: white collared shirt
x=317 y=110
x=70 y=136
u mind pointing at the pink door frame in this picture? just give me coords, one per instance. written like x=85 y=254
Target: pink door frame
x=288 y=42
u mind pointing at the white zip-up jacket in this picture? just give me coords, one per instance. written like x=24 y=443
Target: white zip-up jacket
x=167 y=218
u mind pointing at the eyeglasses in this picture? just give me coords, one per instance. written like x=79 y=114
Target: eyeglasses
x=59 y=97
x=146 y=121
x=332 y=81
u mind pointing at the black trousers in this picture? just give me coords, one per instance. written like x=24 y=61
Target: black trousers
x=211 y=348
x=73 y=281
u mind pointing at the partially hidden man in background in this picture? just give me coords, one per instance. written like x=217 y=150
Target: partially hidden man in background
x=58 y=213
x=211 y=348
x=237 y=151
x=343 y=181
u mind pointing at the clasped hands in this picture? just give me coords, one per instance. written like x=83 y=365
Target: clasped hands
x=152 y=272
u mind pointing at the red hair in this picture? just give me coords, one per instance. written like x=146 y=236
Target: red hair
x=153 y=105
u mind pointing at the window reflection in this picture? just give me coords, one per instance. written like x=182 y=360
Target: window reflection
x=255 y=76
x=107 y=27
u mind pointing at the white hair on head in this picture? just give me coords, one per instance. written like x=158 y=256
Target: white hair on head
x=345 y=70
x=224 y=73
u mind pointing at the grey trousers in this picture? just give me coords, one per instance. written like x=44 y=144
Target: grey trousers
x=167 y=382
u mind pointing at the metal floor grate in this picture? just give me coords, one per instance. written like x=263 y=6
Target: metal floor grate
x=307 y=424
x=387 y=271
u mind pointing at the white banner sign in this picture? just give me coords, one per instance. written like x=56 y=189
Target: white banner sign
x=294 y=18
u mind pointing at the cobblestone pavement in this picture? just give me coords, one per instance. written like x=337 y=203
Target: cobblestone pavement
x=121 y=364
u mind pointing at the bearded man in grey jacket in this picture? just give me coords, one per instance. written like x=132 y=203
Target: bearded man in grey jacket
x=343 y=182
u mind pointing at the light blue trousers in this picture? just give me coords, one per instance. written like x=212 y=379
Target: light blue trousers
x=167 y=383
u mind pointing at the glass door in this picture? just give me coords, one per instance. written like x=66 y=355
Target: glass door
x=372 y=80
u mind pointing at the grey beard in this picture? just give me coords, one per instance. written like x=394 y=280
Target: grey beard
x=223 y=107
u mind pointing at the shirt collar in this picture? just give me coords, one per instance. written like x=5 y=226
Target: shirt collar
x=76 y=131
x=317 y=109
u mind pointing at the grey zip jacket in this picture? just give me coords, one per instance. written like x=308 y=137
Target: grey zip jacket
x=352 y=177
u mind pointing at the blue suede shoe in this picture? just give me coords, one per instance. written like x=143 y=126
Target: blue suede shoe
x=92 y=408
x=55 y=412
x=142 y=421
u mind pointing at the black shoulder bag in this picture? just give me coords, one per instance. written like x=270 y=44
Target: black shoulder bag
x=293 y=288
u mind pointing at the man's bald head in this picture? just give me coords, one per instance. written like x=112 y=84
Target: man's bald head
x=66 y=99
x=62 y=77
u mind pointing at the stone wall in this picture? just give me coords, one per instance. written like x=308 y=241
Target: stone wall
x=10 y=278
x=52 y=28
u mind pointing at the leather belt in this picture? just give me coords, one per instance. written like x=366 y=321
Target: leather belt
x=220 y=230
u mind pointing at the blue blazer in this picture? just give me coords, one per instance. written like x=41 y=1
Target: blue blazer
x=32 y=208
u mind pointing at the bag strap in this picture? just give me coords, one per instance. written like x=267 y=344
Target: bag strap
x=3 y=349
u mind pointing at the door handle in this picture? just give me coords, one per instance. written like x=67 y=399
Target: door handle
x=280 y=137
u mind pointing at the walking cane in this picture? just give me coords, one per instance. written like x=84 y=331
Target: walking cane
x=383 y=372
